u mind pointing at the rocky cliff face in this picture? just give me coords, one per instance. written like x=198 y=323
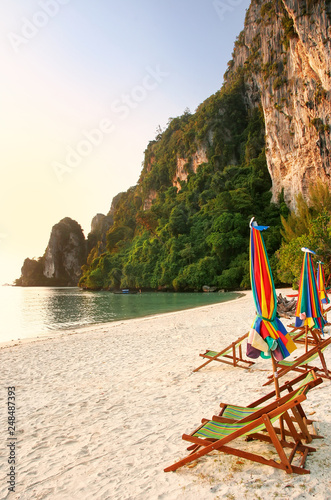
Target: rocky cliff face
x=99 y=227
x=184 y=167
x=284 y=55
x=61 y=264
x=32 y=273
x=152 y=195
x=65 y=252
x=278 y=85
x=285 y=52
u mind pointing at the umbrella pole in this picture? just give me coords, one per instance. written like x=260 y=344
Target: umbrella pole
x=306 y=339
x=274 y=369
x=281 y=422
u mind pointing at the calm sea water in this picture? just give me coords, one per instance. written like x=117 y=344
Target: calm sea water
x=31 y=312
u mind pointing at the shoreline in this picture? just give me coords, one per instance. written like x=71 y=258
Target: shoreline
x=101 y=415
x=96 y=326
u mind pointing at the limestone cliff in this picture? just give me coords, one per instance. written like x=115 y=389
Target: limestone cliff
x=285 y=54
x=62 y=261
x=32 y=273
x=284 y=57
x=271 y=116
x=65 y=253
x=184 y=167
x=99 y=227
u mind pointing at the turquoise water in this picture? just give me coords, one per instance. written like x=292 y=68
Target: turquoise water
x=30 y=312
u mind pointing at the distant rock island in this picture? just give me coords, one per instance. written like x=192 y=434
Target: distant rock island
x=248 y=150
x=62 y=261
x=66 y=252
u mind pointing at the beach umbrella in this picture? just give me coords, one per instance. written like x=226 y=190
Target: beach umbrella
x=322 y=293
x=268 y=337
x=309 y=308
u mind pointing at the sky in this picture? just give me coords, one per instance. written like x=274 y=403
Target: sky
x=84 y=87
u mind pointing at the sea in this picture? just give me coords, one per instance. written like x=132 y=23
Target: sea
x=37 y=311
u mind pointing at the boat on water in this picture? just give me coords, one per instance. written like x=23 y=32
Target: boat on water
x=125 y=291
x=206 y=288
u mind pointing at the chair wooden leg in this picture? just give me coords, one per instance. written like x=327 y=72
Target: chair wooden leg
x=303 y=427
x=277 y=445
x=326 y=371
x=204 y=364
x=234 y=355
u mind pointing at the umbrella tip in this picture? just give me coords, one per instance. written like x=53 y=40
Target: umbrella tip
x=304 y=249
x=254 y=224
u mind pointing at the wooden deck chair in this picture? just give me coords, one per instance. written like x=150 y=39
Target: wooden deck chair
x=308 y=381
x=298 y=335
x=302 y=363
x=228 y=355
x=325 y=314
x=216 y=434
x=326 y=310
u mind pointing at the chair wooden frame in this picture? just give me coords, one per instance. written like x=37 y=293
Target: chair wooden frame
x=325 y=311
x=260 y=420
x=325 y=315
x=301 y=364
x=228 y=355
x=307 y=380
x=309 y=336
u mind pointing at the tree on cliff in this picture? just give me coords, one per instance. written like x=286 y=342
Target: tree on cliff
x=307 y=226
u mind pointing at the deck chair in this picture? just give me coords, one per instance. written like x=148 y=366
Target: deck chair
x=325 y=315
x=216 y=434
x=326 y=310
x=298 y=335
x=229 y=355
x=302 y=363
x=308 y=381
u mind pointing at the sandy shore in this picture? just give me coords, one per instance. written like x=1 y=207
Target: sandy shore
x=100 y=412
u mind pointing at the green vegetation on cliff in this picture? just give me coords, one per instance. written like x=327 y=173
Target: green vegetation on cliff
x=308 y=226
x=185 y=223
x=165 y=238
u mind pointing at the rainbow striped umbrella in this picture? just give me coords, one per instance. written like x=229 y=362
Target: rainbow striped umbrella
x=268 y=334
x=321 y=284
x=309 y=309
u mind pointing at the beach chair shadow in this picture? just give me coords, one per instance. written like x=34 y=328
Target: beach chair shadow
x=302 y=363
x=306 y=381
x=218 y=433
x=230 y=355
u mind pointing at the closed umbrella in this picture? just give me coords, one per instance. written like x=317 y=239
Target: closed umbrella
x=322 y=293
x=309 y=310
x=268 y=336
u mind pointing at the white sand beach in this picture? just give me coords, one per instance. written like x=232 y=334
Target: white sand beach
x=100 y=412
